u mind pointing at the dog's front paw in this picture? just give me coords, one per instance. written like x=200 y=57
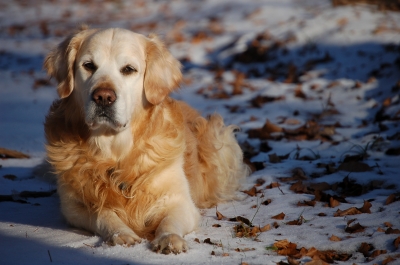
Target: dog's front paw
x=126 y=238
x=169 y=243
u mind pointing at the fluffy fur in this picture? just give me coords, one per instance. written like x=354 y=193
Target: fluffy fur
x=139 y=167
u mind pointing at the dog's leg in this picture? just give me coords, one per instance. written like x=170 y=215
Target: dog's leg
x=170 y=232
x=106 y=223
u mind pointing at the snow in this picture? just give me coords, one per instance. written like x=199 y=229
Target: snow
x=357 y=37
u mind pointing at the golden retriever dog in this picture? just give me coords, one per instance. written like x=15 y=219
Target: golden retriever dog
x=130 y=161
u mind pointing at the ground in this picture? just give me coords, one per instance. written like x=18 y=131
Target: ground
x=314 y=88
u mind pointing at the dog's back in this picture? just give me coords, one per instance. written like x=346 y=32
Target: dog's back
x=213 y=159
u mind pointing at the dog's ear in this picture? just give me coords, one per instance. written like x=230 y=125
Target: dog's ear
x=59 y=63
x=163 y=72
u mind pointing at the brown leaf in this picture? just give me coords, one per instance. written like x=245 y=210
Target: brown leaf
x=353 y=210
x=335 y=238
x=377 y=252
x=355 y=228
x=251 y=192
x=392 y=231
x=380 y=229
x=259 y=100
x=320 y=186
x=387 y=260
x=298 y=92
x=387 y=224
x=312 y=252
x=225 y=254
x=322 y=214
x=299 y=187
x=272 y=185
x=365 y=248
x=307 y=203
x=396 y=242
x=333 y=203
x=220 y=216
x=265 y=228
x=266 y=202
x=280 y=216
x=240 y=219
x=197 y=240
x=286 y=248
x=8 y=153
x=366 y=207
x=295 y=222
x=354 y=166
x=350 y=211
x=216 y=225
x=259 y=182
x=392 y=198
x=208 y=241
x=271 y=128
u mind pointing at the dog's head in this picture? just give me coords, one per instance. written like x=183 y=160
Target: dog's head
x=113 y=73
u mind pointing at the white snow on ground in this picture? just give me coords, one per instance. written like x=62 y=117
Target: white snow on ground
x=356 y=37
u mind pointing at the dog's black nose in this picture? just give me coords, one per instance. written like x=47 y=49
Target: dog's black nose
x=104 y=96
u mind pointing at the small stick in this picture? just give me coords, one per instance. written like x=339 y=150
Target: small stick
x=51 y=260
x=281 y=190
x=88 y=245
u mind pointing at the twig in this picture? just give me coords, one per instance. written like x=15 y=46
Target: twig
x=48 y=251
x=281 y=190
x=88 y=245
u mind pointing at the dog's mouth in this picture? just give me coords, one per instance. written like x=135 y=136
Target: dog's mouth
x=104 y=117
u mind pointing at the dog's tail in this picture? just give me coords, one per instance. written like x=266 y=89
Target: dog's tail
x=220 y=162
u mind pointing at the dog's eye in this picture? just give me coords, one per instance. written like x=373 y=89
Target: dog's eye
x=127 y=70
x=89 y=66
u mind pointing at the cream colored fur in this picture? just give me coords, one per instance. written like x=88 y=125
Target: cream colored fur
x=142 y=165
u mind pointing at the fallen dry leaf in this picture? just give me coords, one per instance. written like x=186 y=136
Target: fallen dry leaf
x=251 y=192
x=380 y=229
x=355 y=228
x=353 y=210
x=392 y=198
x=334 y=238
x=396 y=242
x=265 y=228
x=307 y=203
x=387 y=260
x=333 y=203
x=365 y=248
x=220 y=216
x=280 y=216
x=286 y=248
x=350 y=211
x=295 y=222
x=392 y=231
x=272 y=185
x=8 y=153
x=259 y=182
x=354 y=166
x=377 y=252
x=387 y=224
x=266 y=202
